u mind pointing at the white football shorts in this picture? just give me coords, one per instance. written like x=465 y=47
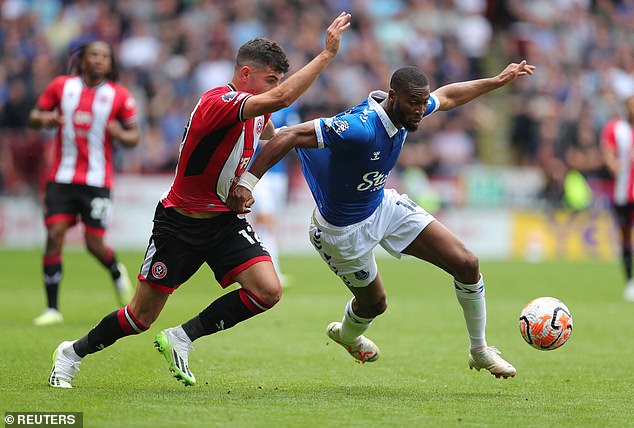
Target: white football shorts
x=348 y=250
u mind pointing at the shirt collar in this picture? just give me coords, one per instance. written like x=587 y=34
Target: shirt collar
x=385 y=119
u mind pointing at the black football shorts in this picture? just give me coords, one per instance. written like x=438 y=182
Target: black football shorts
x=67 y=202
x=179 y=245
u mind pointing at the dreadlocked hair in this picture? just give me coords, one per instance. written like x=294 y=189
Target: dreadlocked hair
x=77 y=55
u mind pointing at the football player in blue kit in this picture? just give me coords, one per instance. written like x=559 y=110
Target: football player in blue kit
x=346 y=160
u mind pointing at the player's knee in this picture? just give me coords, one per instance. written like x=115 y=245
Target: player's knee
x=92 y=248
x=269 y=294
x=95 y=244
x=54 y=240
x=468 y=268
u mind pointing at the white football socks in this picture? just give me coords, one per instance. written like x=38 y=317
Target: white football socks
x=353 y=326
x=471 y=298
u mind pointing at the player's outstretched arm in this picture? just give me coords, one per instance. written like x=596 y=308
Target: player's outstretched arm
x=457 y=94
x=286 y=139
x=288 y=91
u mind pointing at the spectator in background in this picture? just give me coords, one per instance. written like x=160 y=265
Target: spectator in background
x=89 y=110
x=454 y=148
x=22 y=151
x=618 y=147
x=591 y=39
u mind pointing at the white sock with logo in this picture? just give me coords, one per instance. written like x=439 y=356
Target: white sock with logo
x=353 y=326
x=471 y=298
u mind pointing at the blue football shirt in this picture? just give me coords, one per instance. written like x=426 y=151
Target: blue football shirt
x=357 y=150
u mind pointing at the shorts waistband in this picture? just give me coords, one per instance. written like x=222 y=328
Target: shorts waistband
x=337 y=230
x=172 y=213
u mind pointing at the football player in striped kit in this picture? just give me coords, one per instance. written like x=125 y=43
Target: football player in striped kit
x=617 y=141
x=90 y=112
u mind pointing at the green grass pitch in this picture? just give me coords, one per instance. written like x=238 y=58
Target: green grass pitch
x=280 y=370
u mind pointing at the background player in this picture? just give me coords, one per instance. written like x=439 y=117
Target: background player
x=346 y=160
x=90 y=111
x=617 y=141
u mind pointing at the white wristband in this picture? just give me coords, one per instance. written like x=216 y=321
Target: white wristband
x=248 y=180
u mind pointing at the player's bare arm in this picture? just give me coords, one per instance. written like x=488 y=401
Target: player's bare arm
x=127 y=135
x=269 y=131
x=457 y=94
x=611 y=161
x=39 y=118
x=286 y=139
x=288 y=91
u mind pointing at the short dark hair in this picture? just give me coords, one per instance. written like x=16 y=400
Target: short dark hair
x=263 y=52
x=77 y=55
x=406 y=77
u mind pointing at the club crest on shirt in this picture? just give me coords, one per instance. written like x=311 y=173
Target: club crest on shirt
x=259 y=125
x=340 y=126
x=229 y=96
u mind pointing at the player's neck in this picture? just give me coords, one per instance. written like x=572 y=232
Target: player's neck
x=93 y=82
x=389 y=110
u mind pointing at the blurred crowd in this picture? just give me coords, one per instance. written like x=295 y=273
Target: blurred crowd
x=171 y=51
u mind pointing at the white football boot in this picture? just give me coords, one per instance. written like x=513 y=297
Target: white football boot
x=362 y=349
x=65 y=365
x=489 y=358
x=50 y=316
x=628 y=292
x=175 y=349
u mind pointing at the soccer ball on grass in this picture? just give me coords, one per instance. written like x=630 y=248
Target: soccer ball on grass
x=545 y=323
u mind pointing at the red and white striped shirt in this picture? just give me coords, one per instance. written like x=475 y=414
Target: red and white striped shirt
x=216 y=149
x=618 y=137
x=83 y=150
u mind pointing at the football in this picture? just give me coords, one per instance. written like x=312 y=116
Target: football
x=546 y=323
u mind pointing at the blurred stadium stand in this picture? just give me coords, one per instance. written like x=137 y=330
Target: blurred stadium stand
x=509 y=150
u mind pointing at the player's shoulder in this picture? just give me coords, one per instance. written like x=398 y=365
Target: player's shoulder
x=613 y=124
x=118 y=88
x=60 y=81
x=225 y=93
x=350 y=125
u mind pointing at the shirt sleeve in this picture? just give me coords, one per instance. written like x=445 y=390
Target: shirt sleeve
x=432 y=106
x=223 y=108
x=608 y=139
x=127 y=114
x=338 y=130
x=50 y=98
